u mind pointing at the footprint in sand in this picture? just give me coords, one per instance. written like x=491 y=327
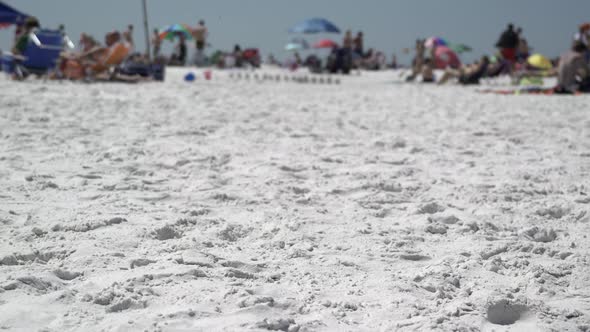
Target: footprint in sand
x=505 y=313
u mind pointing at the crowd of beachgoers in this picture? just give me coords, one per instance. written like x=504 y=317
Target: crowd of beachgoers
x=91 y=59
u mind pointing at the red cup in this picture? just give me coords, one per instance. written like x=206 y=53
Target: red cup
x=207 y=74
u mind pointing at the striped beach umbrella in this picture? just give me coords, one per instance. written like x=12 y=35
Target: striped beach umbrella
x=171 y=31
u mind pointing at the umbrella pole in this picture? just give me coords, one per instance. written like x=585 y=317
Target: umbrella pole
x=147 y=31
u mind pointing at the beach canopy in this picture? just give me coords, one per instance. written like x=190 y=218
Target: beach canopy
x=445 y=57
x=539 y=61
x=315 y=25
x=434 y=41
x=9 y=15
x=325 y=43
x=171 y=31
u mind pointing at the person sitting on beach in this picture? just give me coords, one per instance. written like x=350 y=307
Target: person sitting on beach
x=87 y=43
x=313 y=63
x=96 y=60
x=497 y=67
x=468 y=74
x=18 y=30
x=573 y=72
x=22 y=40
x=418 y=61
x=428 y=71
x=97 y=52
x=20 y=46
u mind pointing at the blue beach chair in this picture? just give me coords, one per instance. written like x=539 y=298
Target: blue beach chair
x=43 y=51
x=40 y=56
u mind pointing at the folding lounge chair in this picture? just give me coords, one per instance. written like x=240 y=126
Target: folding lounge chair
x=115 y=55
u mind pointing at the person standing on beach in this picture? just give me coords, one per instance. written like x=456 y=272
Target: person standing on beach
x=157 y=43
x=508 y=43
x=358 y=43
x=128 y=36
x=347 y=44
x=522 y=50
x=178 y=58
x=200 y=34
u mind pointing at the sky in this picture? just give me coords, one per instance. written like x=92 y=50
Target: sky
x=388 y=25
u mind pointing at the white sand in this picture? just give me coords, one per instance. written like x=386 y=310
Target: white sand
x=225 y=205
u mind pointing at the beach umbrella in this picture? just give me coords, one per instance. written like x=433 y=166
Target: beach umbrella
x=445 y=57
x=539 y=61
x=315 y=25
x=171 y=31
x=460 y=48
x=9 y=15
x=434 y=41
x=325 y=43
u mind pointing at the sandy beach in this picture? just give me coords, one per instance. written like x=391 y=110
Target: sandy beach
x=232 y=205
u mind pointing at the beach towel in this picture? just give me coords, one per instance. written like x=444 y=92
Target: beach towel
x=531 y=91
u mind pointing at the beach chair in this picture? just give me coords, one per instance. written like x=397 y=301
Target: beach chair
x=40 y=56
x=77 y=69
x=43 y=51
x=115 y=55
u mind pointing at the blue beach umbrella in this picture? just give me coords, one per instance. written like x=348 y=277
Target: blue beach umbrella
x=315 y=25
